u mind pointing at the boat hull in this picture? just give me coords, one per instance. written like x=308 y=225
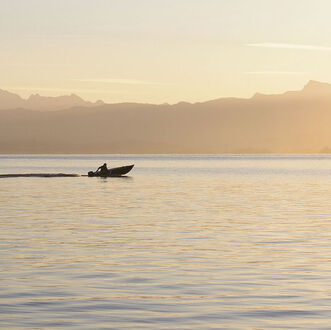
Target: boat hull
x=113 y=172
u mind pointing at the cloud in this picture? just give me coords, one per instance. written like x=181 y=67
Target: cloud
x=34 y=65
x=278 y=72
x=288 y=46
x=117 y=81
x=60 y=90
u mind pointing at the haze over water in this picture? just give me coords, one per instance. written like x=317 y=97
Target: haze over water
x=183 y=242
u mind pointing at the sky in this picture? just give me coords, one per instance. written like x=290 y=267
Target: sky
x=163 y=51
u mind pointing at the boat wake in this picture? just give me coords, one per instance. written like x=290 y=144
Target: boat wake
x=38 y=175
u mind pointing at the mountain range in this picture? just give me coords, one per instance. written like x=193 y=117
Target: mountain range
x=292 y=122
x=36 y=102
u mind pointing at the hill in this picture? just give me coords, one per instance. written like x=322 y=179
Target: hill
x=293 y=122
x=36 y=102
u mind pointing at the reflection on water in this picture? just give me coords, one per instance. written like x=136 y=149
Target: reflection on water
x=186 y=241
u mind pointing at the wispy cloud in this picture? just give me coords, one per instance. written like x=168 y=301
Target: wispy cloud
x=34 y=65
x=278 y=72
x=117 y=81
x=288 y=46
x=36 y=89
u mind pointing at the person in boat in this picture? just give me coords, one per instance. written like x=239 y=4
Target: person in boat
x=103 y=169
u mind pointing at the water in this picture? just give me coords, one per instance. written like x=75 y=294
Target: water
x=192 y=242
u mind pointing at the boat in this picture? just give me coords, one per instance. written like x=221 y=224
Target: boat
x=116 y=171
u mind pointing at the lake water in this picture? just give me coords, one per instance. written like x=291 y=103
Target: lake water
x=192 y=242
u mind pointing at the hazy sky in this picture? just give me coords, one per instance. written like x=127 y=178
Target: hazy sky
x=163 y=50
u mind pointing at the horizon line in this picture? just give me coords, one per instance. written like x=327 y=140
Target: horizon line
x=73 y=91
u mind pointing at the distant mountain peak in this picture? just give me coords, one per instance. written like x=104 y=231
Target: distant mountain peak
x=316 y=85
x=183 y=103
x=8 y=100
x=33 y=96
x=6 y=93
x=75 y=96
x=312 y=87
x=256 y=95
x=35 y=101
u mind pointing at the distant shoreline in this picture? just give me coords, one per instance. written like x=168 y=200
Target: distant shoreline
x=291 y=123
x=169 y=154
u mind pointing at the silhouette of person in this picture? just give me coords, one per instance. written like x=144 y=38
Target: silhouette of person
x=103 y=169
